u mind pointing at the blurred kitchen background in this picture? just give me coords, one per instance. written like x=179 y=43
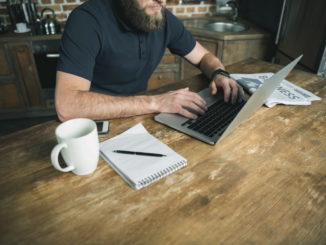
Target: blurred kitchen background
x=272 y=30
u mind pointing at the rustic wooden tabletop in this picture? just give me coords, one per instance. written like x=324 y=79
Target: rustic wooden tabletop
x=263 y=184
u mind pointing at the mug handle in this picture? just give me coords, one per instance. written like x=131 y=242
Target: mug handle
x=55 y=155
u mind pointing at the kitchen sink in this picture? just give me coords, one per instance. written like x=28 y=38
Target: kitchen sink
x=225 y=27
x=218 y=26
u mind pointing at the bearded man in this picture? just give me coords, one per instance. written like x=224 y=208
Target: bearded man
x=109 y=50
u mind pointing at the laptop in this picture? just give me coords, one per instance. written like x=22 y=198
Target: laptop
x=222 y=118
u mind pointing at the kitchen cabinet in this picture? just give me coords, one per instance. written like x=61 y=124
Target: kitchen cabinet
x=20 y=89
x=238 y=50
x=26 y=74
x=10 y=92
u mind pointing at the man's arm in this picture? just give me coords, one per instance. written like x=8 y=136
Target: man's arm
x=208 y=63
x=73 y=99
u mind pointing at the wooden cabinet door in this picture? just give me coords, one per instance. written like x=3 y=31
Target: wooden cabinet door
x=11 y=96
x=4 y=64
x=238 y=50
x=23 y=56
x=20 y=89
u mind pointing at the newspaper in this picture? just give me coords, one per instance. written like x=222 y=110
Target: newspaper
x=287 y=93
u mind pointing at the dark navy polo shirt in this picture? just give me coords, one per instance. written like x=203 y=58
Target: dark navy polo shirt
x=101 y=47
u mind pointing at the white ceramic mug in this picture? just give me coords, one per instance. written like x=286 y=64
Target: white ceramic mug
x=79 y=146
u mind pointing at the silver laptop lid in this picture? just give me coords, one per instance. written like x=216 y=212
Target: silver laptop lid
x=259 y=97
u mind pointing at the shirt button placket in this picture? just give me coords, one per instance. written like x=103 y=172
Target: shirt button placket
x=142 y=46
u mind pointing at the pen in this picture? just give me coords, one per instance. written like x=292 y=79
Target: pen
x=140 y=153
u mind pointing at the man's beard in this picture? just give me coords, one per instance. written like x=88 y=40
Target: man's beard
x=139 y=19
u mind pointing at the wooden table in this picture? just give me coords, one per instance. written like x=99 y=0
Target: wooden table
x=263 y=184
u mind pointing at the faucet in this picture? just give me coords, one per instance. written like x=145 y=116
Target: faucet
x=235 y=9
x=226 y=7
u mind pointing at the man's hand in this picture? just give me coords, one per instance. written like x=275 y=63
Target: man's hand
x=208 y=63
x=181 y=101
x=233 y=92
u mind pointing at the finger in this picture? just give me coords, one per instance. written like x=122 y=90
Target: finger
x=234 y=93
x=186 y=103
x=200 y=102
x=225 y=83
x=227 y=93
x=241 y=95
x=193 y=107
x=213 y=88
x=186 y=113
x=193 y=98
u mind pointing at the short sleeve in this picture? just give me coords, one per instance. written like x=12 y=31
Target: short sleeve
x=80 y=44
x=181 y=42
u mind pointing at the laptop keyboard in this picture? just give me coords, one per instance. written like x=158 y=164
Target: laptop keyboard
x=218 y=116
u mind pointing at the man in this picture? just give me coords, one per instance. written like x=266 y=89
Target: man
x=109 y=50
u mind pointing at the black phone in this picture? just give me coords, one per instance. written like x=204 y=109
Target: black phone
x=102 y=127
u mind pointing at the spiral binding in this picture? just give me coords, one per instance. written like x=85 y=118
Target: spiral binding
x=161 y=174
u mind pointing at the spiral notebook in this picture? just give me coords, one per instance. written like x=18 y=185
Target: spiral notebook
x=140 y=171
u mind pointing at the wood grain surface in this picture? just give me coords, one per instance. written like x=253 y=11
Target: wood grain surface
x=263 y=184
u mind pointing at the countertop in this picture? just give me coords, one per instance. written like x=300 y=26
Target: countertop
x=253 y=32
x=263 y=184
x=11 y=36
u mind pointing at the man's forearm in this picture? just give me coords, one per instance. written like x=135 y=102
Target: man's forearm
x=100 y=106
x=209 y=63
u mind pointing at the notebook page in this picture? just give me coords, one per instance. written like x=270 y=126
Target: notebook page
x=136 y=168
